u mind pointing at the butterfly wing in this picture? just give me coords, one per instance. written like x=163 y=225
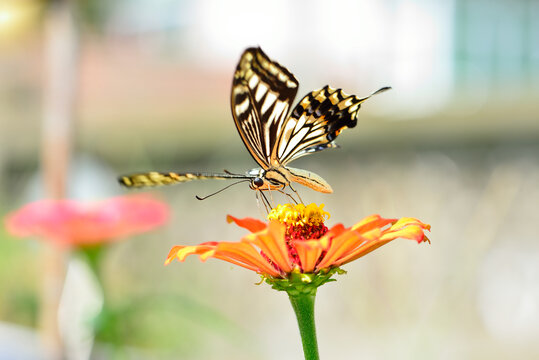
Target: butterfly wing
x=262 y=94
x=315 y=122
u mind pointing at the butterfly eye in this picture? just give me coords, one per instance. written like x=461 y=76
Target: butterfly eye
x=258 y=182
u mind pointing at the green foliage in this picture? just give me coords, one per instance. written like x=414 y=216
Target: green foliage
x=18 y=287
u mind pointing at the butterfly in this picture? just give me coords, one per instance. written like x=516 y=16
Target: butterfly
x=274 y=133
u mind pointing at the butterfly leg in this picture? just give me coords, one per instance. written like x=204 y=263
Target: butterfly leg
x=265 y=201
x=289 y=196
x=297 y=194
x=272 y=205
x=258 y=204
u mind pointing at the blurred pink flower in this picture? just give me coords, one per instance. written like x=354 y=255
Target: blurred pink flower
x=77 y=223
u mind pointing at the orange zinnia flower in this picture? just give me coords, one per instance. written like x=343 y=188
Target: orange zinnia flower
x=75 y=223
x=296 y=244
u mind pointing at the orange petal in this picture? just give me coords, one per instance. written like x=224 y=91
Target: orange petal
x=361 y=251
x=308 y=252
x=241 y=254
x=408 y=228
x=402 y=222
x=272 y=242
x=372 y=222
x=341 y=246
x=253 y=225
x=413 y=232
x=325 y=241
x=172 y=254
x=245 y=255
x=181 y=252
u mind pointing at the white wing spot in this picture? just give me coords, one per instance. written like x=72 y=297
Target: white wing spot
x=346 y=103
x=280 y=108
x=295 y=140
x=334 y=98
x=270 y=99
x=287 y=133
x=262 y=89
x=320 y=97
x=242 y=107
x=253 y=81
x=301 y=122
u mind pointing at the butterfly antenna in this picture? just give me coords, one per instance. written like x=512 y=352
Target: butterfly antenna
x=221 y=190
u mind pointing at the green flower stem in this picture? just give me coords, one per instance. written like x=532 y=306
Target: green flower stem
x=93 y=256
x=303 y=305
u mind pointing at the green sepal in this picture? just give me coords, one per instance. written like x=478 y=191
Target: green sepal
x=299 y=283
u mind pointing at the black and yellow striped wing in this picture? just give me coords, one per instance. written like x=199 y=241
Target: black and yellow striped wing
x=262 y=94
x=316 y=122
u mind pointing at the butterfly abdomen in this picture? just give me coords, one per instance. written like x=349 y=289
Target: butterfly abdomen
x=310 y=179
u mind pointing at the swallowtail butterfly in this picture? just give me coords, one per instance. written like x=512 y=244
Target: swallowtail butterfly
x=274 y=133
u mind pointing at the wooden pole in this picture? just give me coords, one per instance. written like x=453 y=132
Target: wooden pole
x=61 y=46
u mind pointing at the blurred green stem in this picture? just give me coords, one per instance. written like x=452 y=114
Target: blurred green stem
x=303 y=305
x=93 y=257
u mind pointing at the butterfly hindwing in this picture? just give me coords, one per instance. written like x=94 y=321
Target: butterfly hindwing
x=262 y=94
x=315 y=122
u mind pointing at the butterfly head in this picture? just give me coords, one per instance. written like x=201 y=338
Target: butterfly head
x=271 y=179
x=257 y=179
x=257 y=183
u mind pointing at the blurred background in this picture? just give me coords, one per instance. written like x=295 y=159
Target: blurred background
x=455 y=144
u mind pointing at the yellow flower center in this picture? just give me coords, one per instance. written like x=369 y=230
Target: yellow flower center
x=299 y=215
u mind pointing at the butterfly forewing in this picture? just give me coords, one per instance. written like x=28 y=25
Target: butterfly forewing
x=262 y=93
x=247 y=123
